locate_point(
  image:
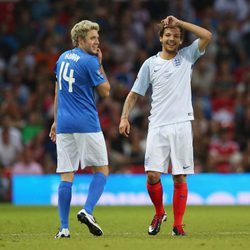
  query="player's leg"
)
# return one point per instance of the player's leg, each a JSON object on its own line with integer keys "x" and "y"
{"x": 64, "y": 199}
{"x": 156, "y": 162}
{"x": 67, "y": 164}
{"x": 181, "y": 143}
{"x": 96, "y": 187}
{"x": 95, "y": 191}
{"x": 155, "y": 192}
{"x": 179, "y": 203}
{"x": 96, "y": 156}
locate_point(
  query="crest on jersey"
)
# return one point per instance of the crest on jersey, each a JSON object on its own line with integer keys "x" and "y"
{"x": 177, "y": 61}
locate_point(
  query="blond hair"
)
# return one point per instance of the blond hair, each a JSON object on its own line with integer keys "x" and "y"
{"x": 81, "y": 29}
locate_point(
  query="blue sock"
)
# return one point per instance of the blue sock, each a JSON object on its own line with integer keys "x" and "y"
{"x": 64, "y": 199}
{"x": 96, "y": 188}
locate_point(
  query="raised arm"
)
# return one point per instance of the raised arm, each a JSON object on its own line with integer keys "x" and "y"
{"x": 104, "y": 88}
{"x": 124, "y": 127}
{"x": 204, "y": 35}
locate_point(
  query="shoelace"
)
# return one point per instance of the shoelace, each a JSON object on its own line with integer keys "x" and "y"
{"x": 180, "y": 228}
{"x": 156, "y": 220}
{"x": 92, "y": 217}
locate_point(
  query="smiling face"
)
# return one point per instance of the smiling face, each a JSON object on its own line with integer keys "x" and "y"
{"x": 171, "y": 40}
{"x": 90, "y": 43}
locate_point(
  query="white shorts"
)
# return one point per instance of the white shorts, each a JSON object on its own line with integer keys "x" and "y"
{"x": 175, "y": 142}
{"x": 88, "y": 149}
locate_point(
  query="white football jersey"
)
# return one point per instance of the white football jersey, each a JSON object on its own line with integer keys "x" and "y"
{"x": 171, "y": 86}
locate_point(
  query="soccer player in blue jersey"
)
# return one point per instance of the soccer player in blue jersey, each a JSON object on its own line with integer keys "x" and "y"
{"x": 170, "y": 131}
{"x": 76, "y": 128}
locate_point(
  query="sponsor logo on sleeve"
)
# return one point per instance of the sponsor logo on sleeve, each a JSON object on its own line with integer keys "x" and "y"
{"x": 99, "y": 73}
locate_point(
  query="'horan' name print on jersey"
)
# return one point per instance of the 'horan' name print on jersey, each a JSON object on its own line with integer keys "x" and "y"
{"x": 72, "y": 56}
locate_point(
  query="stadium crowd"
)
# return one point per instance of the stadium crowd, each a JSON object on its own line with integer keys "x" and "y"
{"x": 34, "y": 33}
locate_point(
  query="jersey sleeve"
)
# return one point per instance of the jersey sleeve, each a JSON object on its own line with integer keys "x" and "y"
{"x": 95, "y": 74}
{"x": 142, "y": 81}
{"x": 192, "y": 52}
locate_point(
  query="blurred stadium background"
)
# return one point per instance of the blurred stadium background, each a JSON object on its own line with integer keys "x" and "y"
{"x": 34, "y": 33}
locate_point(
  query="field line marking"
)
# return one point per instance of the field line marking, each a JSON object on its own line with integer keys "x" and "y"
{"x": 126, "y": 234}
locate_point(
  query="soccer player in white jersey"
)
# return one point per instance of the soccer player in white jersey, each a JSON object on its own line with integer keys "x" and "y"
{"x": 76, "y": 128}
{"x": 170, "y": 132}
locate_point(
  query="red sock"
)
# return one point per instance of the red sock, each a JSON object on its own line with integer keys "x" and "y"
{"x": 156, "y": 193}
{"x": 179, "y": 202}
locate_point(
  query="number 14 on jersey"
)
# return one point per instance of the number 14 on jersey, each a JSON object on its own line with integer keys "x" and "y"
{"x": 63, "y": 73}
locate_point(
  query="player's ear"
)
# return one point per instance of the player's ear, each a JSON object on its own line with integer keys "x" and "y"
{"x": 80, "y": 40}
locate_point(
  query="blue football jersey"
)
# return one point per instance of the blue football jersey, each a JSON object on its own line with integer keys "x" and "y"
{"x": 77, "y": 73}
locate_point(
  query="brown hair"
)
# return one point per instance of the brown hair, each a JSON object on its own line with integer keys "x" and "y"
{"x": 162, "y": 27}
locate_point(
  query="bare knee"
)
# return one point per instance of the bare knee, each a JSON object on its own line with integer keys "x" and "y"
{"x": 104, "y": 170}
{"x": 153, "y": 177}
{"x": 179, "y": 178}
{"x": 67, "y": 177}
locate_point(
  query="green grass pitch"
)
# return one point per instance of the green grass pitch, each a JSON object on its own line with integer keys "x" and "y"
{"x": 125, "y": 227}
